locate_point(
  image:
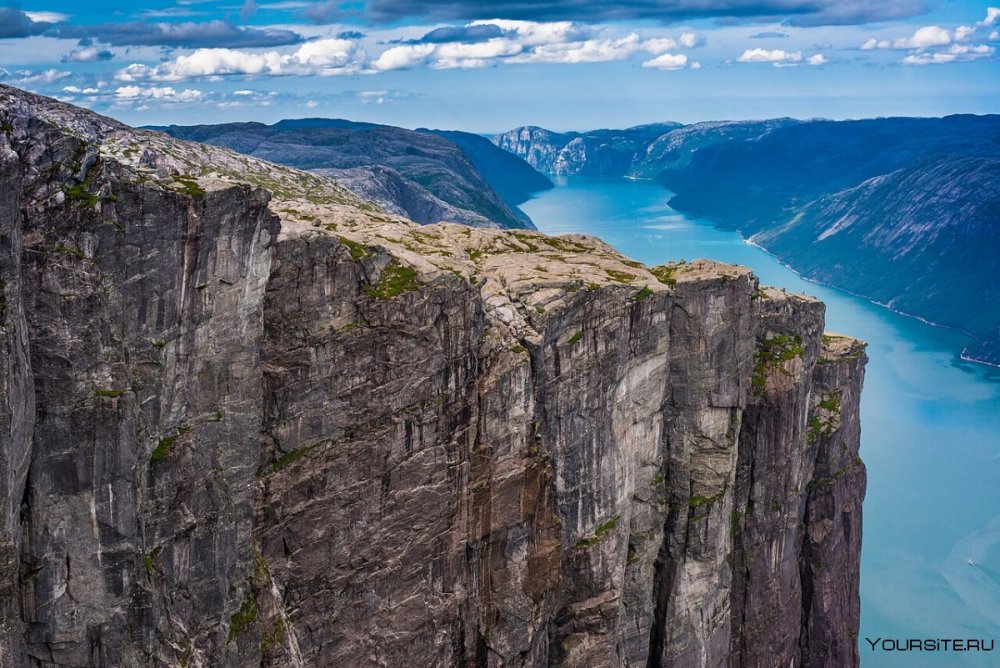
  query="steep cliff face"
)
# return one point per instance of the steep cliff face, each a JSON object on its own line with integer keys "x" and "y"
{"x": 300, "y": 431}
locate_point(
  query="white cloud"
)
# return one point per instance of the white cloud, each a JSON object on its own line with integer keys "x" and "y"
{"x": 587, "y": 51}
{"x": 48, "y": 76}
{"x": 660, "y": 45}
{"x": 776, "y": 56}
{"x": 668, "y": 61}
{"x": 963, "y": 33}
{"x": 403, "y": 57}
{"x": 321, "y": 57}
{"x": 47, "y": 17}
{"x": 992, "y": 16}
{"x": 690, "y": 40}
{"x": 923, "y": 38}
{"x": 818, "y": 59}
{"x": 312, "y": 104}
{"x": 995, "y": 35}
{"x": 164, "y": 94}
{"x": 928, "y": 58}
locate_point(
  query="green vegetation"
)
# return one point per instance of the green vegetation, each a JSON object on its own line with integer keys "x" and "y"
{"x": 286, "y": 460}
{"x": 575, "y": 338}
{"x": 358, "y": 251}
{"x": 831, "y": 402}
{"x": 735, "y": 523}
{"x": 273, "y": 638}
{"x": 79, "y": 193}
{"x": 163, "y": 447}
{"x": 771, "y": 354}
{"x": 620, "y": 276}
{"x": 113, "y": 394}
{"x": 243, "y": 618}
{"x": 697, "y": 501}
{"x": 66, "y": 250}
{"x": 599, "y": 533}
{"x": 217, "y": 417}
{"x": 396, "y": 279}
{"x": 519, "y": 349}
{"x": 665, "y": 274}
{"x": 829, "y": 480}
{"x": 149, "y": 560}
{"x": 642, "y": 294}
{"x": 189, "y": 185}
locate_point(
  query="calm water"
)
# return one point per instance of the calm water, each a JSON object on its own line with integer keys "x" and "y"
{"x": 930, "y": 429}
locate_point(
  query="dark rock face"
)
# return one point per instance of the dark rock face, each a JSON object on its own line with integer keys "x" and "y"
{"x": 229, "y": 444}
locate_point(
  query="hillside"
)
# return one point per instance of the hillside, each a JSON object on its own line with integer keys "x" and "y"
{"x": 419, "y": 175}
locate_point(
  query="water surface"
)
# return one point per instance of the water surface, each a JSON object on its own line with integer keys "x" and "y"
{"x": 930, "y": 422}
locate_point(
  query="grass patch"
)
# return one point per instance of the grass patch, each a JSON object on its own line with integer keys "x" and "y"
{"x": 243, "y": 619}
{"x": 599, "y": 533}
{"x": 771, "y": 354}
{"x": 189, "y": 185}
{"x": 112, "y": 394}
{"x": 642, "y": 294}
{"x": 575, "y": 338}
{"x": 395, "y": 280}
{"x": 162, "y": 448}
{"x": 665, "y": 274}
{"x": 358, "y": 251}
{"x": 79, "y": 193}
{"x": 285, "y": 460}
{"x": 620, "y": 276}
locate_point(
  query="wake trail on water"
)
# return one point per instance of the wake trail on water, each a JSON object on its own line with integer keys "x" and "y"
{"x": 977, "y": 585}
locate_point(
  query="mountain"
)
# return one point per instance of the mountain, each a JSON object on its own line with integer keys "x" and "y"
{"x": 248, "y": 419}
{"x": 419, "y": 175}
{"x": 899, "y": 210}
{"x": 597, "y": 153}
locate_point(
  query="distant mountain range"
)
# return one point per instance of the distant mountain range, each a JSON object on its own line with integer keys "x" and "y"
{"x": 905, "y": 211}
{"x": 425, "y": 175}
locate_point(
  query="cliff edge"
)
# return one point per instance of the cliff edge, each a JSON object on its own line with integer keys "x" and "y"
{"x": 249, "y": 419}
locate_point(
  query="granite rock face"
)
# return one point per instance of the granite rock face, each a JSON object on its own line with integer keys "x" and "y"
{"x": 293, "y": 430}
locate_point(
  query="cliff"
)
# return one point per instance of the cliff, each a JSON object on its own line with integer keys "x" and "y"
{"x": 423, "y": 176}
{"x": 247, "y": 426}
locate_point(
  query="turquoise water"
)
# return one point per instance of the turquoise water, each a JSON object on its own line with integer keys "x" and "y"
{"x": 930, "y": 429}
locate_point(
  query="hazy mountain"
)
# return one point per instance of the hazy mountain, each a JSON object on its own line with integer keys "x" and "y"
{"x": 420, "y": 175}
{"x": 901, "y": 210}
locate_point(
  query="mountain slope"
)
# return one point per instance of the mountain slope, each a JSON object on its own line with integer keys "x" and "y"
{"x": 247, "y": 419}
{"x": 596, "y": 153}
{"x": 441, "y": 182}
{"x": 921, "y": 195}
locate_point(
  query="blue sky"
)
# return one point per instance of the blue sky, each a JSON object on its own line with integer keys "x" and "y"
{"x": 489, "y": 66}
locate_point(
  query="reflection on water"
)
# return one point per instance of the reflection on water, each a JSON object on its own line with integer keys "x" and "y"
{"x": 930, "y": 428}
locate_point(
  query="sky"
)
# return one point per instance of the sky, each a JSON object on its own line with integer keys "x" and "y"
{"x": 491, "y": 66}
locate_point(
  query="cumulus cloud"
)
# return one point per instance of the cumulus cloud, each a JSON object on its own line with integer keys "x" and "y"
{"x": 799, "y": 12}
{"x": 934, "y": 45}
{"x": 403, "y": 57}
{"x": 776, "y": 56}
{"x": 817, "y": 59}
{"x": 322, "y": 57}
{"x": 489, "y": 42}
{"x": 667, "y": 61}
{"x": 130, "y": 94}
{"x": 87, "y": 54}
{"x": 923, "y": 38}
{"x": 189, "y": 35}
